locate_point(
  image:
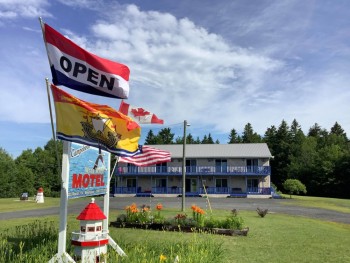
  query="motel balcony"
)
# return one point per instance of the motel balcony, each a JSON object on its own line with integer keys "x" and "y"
{"x": 234, "y": 192}
{"x": 194, "y": 171}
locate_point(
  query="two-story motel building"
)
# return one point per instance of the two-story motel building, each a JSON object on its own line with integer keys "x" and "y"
{"x": 218, "y": 170}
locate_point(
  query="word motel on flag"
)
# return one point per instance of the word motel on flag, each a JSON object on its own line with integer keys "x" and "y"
{"x": 138, "y": 114}
{"x": 78, "y": 69}
{"x": 95, "y": 125}
{"x": 148, "y": 156}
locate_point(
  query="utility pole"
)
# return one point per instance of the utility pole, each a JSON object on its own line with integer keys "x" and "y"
{"x": 184, "y": 168}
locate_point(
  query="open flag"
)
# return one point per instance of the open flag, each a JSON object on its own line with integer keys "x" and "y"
{"x": 139, "y": 115}
{"x": 96, "y": 125}
{"x": 81, "y": 70}
{"x": 148, "y": 156}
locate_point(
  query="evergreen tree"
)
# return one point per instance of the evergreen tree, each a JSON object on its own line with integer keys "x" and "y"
{"x": 249, "y": 136}
{"x": 282, "y": 153}
{"x": 338, "y": 130}
{"x": 270, "y": 138}
{"x": 234, "y": 137}
{"x": 151, "y": 138}
{"x": 189, "y": 139}
{"x": 315, "y": 130}
{"x": 197, "y": 141}
{"x": 165, "y": 136}
{"x": 210, "y": 139}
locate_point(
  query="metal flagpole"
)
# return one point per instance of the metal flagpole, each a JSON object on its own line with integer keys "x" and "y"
{"x": 62, "y": 255}
{"x": 184, "y": 168}
{"x": 52, "y": 127}
{"x": 49, "y": 100}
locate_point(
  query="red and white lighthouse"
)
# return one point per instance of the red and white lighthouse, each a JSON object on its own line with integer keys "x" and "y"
{"x": 91, "y": 242}
{"x": 40, "y": 196}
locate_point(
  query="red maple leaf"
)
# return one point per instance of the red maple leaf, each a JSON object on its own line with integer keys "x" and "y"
{"x": 139, "y": 112}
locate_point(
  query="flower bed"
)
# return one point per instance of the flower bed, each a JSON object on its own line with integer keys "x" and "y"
{"x": 144, "y": 218}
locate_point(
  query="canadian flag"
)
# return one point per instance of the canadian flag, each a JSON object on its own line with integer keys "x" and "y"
{"x": 139, "y": 115}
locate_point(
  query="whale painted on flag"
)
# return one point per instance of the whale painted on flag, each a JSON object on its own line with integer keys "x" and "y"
{"x": 78, "y": 69}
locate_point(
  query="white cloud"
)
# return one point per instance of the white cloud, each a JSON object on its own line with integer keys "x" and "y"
{"x": 180, "y": 69}
{"x": 10, "y": 9}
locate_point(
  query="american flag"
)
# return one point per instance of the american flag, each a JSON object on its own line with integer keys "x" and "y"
{"x": 148, "y": 156}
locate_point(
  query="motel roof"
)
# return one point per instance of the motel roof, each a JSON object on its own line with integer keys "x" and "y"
{"x": 237, "y": 150}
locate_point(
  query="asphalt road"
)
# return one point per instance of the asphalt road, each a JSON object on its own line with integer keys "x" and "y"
{"x": 282, "y": 206}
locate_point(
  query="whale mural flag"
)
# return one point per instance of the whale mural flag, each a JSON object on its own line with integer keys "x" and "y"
{"x": 78, "y": 69}
{"x": 138, "y": 114}
{"x": 96, "y": 125}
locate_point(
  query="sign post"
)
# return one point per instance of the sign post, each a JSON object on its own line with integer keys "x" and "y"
{"x": 62, "y": 255}
{"x": 85, "y": 172}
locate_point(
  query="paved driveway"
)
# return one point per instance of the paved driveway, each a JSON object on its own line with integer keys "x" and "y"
{"x": 283, "y": 206}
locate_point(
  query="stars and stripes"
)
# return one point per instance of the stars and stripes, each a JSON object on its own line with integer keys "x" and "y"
{"x": 148, "y": 156}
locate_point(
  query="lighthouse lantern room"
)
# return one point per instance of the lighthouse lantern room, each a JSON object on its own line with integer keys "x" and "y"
{"x": 91, "y": 241}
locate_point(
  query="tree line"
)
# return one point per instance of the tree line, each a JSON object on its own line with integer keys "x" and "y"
{"x": 320, "y": 159}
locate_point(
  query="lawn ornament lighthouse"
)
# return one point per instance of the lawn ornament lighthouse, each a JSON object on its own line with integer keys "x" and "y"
{"x": 91, "y": 242}
{"x": 40, "y": 196}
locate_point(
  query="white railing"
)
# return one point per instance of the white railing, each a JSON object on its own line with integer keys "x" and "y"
{"x": 90, "y": 236}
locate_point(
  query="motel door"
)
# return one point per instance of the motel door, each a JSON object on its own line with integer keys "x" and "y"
{"x": 221, "y": 166}
{"x": 191, "y": 185}
{"x": 252, "y": 165}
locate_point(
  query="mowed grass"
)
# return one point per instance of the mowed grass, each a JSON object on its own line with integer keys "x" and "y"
{"x": 274, "y": 238}
{"x": 14, "y": 204}
{"x": 334, "y": 204}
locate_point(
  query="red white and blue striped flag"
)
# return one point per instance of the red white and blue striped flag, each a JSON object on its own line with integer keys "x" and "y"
{"x": 148, "y": 156}
{"x": 81, "y": 70}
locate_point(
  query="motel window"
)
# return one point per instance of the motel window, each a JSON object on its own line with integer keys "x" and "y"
{"x": 221, "y": 165}
{"x": 83, "y": 229}
{"x": 191, "y": 165}
{"x": 131, "y": 182}
{"x": 98, "y": 228}
{"x": 221, "y": 182}
{"x": 160, "y": 182}
{"x": 91, "y": 229}
{"x": 161, "y": 167}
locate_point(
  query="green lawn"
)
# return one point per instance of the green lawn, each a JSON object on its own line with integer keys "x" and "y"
{"x": 14, "y": 204}
{"x": 274, "y": 238}
{"x": 335, "y": 204}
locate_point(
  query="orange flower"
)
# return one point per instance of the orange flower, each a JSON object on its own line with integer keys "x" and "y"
{"x": 159, "y": 207}
{"x": 201, "y": 211}
{"x": 194, "y": 207}
{"x": 134, "y": 210}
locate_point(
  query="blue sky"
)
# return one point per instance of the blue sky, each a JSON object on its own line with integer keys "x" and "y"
{"x": 217, "y": 64}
